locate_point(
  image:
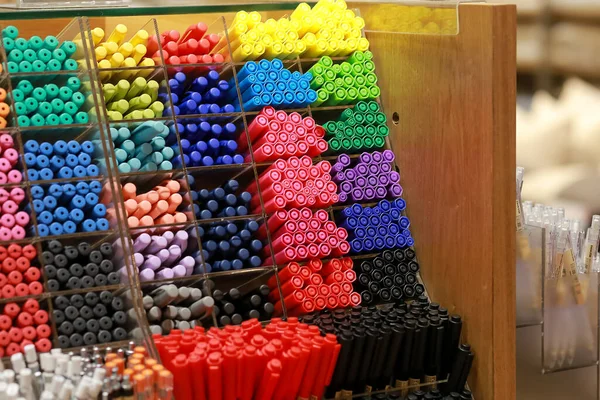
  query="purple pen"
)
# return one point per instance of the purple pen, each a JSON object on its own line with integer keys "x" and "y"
{"x": 374, "y": 169}
{"x": 180, "y": 239}
{"x": 138, "y": 258}
{"x": 365, "y": 157}
{"x": 343, "y": 197}
{"x": 164, "y": 274}
{"x": 175, "y": 254}
{"x": 385, "y": 167}
{"x": 158, "y": 243}
{"x": 179, "y": 271}
{"x": 344, "y": 159}
{"x": 394, "y": 177}
{"x": 346, "y": 187}
{"x": 337, "y": 167}
{"x": 370, "y": 193}
{"x": 350, "y": 175}
{"x": 152, "y": 262}
{"x": 169, "y": 236}
{"x": 383, "y": 180}
{"x": 395, "y": 190}
{"x": 141, "y": 242}
{"x": 339, "y": 177}
{"x": 357, "y": 194}
{"x": 361, "y": 169}
{"x": 360, "y": 182}
{"x": 147, "y": 275}
{"x": 388, "y": 156}
{"x": 372, "y": 180}
{"x": 377, "y": 157}
{"x": 163, "y": 255}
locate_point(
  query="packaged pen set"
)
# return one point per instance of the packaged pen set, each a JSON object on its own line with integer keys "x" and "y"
{"x": 558, "y": 254}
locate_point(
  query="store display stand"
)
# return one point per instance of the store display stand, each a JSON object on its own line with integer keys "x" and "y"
{"x": 449, "y": 101}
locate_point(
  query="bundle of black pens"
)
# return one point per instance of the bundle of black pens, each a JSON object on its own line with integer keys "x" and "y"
{"x": 401, "y": 349}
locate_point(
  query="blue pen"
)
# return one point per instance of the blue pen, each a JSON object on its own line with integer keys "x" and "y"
{"x": 79, "y": 171}
{"x": 102, "y": 224}
{"x": 65, "y": 172}
{"x": 95, "y": 187}
{"x": 76, "y": 215}
{"x": 43, "y": 230}
{"x": 88, "y": 225}
{"x": 255, "y": 261}
{"x": 56, "y": 228}
{"x": 46, "y": 174}
{"x": 33, "y": 175}
{"x": 249, "y": 67}
{"x": 61, "y": 214}
{"x": 69, "y": 227}
{"x": 49, "y": 202}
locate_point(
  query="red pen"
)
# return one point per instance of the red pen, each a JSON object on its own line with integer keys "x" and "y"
{"x": 247, "y": 373}
{"x": 195, "y": 31}
{"x": 332, "y": 302}
{"x": 269, "y": 380}
{"x": 346, "y": 287}
{"x": 273, "y": 223}
{"x": 230, "y": 364}
{"x": 281, "y": 243}
{"x": 215, "y": 376}
{"x": 355, "y": 299}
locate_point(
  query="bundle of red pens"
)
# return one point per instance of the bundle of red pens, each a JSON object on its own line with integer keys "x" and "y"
{"x": 295, "y": 183}
{"x": 19, "y": 277}
{"x": 315, "y": 286}
{"x": 194, "y": 46}
{"x": 22, "y": 324}
{"x": 283, "y": 360}
{"x": 300, "y": 234}
{"x": 276, "y": 134}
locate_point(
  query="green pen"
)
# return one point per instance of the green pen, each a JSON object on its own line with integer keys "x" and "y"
{"x": 51, "y": 91}
{"x": 351, "y": 122}
{"x": 65, "y": 119}
{"x": 369, "y": 118}
{"x": 347, "y": 113}
{"x": 383, "y": 130}
{"x": 326, "y": 61}
{"x": 357, "y": 143}
{"x": 69, "y": 48}
{"x": 335, "y": 144}
{"x": 368, "y": 55}
{"x": 374, "y": 92}
{"x": 359, "y": 117}
{"x": 348, "y": 132}
{"x": 50, "y": 42}
{"x": 329, "y": 75}
{"x": 337, "y": 69}
{"x": 120, "y": 105}
{"x": 18, "y": 95}
{"x": 25, "y": 86}
{"x": 330, "y": 127}
{"x": 362, "y": 106}
{"x": 38, "y": 66}
{"x": 78, "y": 99}
{"x": 65, "y": 93}
{"x": 8, "y": 43}
{"x": 363, "y": 93}
{"x": 371, "y": 79}
{"x": 317, "y": 70}
{"x": 30, "y": 55}
{"x": 10, "y": 32}
{"x": 379, "y": 141}
{"x": 74, "y": 83}
{"x": 31, "y": 105}
{"x": 15, "y": 56}
{"x": 13, "y": 67}
{"x": 371, "y": 131}
{"x": 340, "y": 125}
{"x": 23, "y": 120}
{"x": 35, "y": 43}
{"x": 37, "y": 120}
{"x": 114, "y": 115}
{"x": 360, "y": 131}
{"x": 373, "y": 106}
{"x": 44, "y": 55}
{"x": 347, "y": 143}
{"x": 359, "y": 80}
{"x": 52, "y": 119}
{"x": 25, "y": 66}
{"x": 369, "y": 66}
{"x": 351, "y": 95}
{"x": 70, "y": 65}
{"x": 357, "y": 69}
{"x": 53, "y": 65}
{"x": 71, "y": 108}
{"x": 356, "y": 57}
{"x": 21, "y": 108}
{"x": 44, "y": 109}
{"x": 21, "y": 44}
{"x": 380, "y": 118}
{"x": 369, "y": 142}
{"x": 339, "y": 82}
{"x": 151, "y": 89}
{"x": 339, "y": 135}
{"x": 317, "y": 82}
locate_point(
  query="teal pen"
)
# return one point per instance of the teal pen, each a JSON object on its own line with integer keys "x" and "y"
{"x": 166, "y": 166}
{"x": 21, "y": 108}
{"x": 52, "y": 119}
{"x": 121, "y": 155}
{"x": 25, "y": 66}
{"x": 13, "y": 67}
{"x": 71, "y": 108}
{"x": 65, "y": 94}
{"x": 65, "y": 119}
{"x": 82, "y": 117}
{"x": 70, "y": 65}
{"x": 168, "y": 153}
{"x": 122, "y": 135}
{"x": 30, "y": 55}
{"x": 69, "y": 48}
{"x": 114, "y": 134}
{"x": 21, "y": 44}
{"x": 15, "y": 56}
{"x": 73, "y": 83}
{"x": 23, "y": 120}
{"x": 53, "y": 65}
{"x": 149, "y": 167}
{"x": 51, "y": 91}
{"x": 39, "y": 94}
{"x": 156, "y": 157}
{"x": 18, "y": 95}
{"x": 158, "y": 143}
{"x": 31, "y": 105}
{"x": 45, "y": 108}
{"x": 38, "y": 66}
{"x": 124, "y": 168}
{"x": 59, "y": 55}
{"x": 135, "y": 164}
{"x": 25, "y": 86}
{"x": 44, "y": 55}
{"x": 37, "y": 120}
{"x": 35, "y": 43}
{"x": 50, "y": 43}
{"x": 8, "y": 43}
{"x": 143, "y": 151}
{"x": 78, "y": 99}
{"x": 10, "y": 32}
{"x": 129, "y": 147}
{"x": 58, "y": 106}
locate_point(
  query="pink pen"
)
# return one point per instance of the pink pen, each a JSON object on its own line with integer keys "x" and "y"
{"x": 295, "y": 118}
{"x": 5, "y": 165}
{"x": 6, "y": 141}
{"x": 5, "y": 233}
{"x": 10, "y": 207}
{"x": 281, "y": 116}
{"x": 18, "y": 232}
{"x": 7, "y": 220}
{"x": 3, "y": 178}
{"x": 4, "y": 195}
{"x": 15, "y": 176}
{"x": 11, "y": 155}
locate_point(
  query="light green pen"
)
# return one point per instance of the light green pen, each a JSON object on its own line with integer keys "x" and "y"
{"x": 136, "y": 87}
{"x": 326, "y": 61}
{"x": 108, "y": 89}
{"x": 114, "y": 115}
{"x": 339, "y": 82}
{"x": 140, "y": 102}
{"x": 356, "y": 57}
{"x": 369, "y": 66}
{"x": 35, "y": 43}
{"x": 317, "y": 70}
{"x": 363, "y": 93}
{"x": 329, "y": 86}
{"x": 329, "y": 75}
{"x": 136, "y": 114}
{"x": 121, "y": 89}
{"x": 151, "y": 89}
{"x": 359, "y": 80}
{"x": 371, "y": 79}
{"x": 374, "y": 92}
{"x": 368, "y": 55}
{"x": 120, "y": 105}
{"x": 52, "y": 119}
{"x": 157, "y": 108}
{"x": 337, "y": 69}
{"x": 351, "y": 95}
{"x": 322, "y": 97}
{"x": 339, "y": 97}
{"x": 317, "y": 82}
{"x": 349, "y": 81}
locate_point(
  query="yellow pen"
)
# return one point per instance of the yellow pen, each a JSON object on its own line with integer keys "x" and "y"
{"x": 332, "y": 47}
{"x": 351, "y": 46}
{"x": 324, "y": 34}
{"x": 300, "y": 11}
{"x": 358, "y": 23}
{"x": 270, "y": 25}
{"x": 114, "y": 115}
{"x": 253, "y": 19}
{"x": 100, "y": 53}
{"x": 126, "y": 49}
{"x": 291, "y": 36}
{"x": 288, "y": 50}
{"x": 242, "y": 52}
{"x": 267, "y": 40}
{"x": 279, "y": 36}
{"x": 79, "y": 53}
{"x": 252, "y": 36}
{"x": 260, "y": 29}
{"x": 337, "y": 35}
{"x": 139, "y": 51}
{"x": 353, "y": 34}
{"x": 283, "y": 24}
{"x": 236, "y": 30}
{"x": 274, "y": 51}
{"x": 305, "y": 25}
{"x": 240, "y": 17}
{"x": 363, "y": 44}
{"x": 295, "y": 26}
{"x": 341, "y": 49}
{"x": 116, "y": 60}
{"x": 146, "y": 62}
{"x": 300, "y": 48}
{"x": 97, "y": 35}
{"x": 257, "y": 50}
{"x": 104, "y": 64}
{"x": 309, "y": 39}
{"x": 118, "y": 34}
{"x": 111, "y": 48}
{"x": 140, "y": 37}
{"x": 128, "y": 62}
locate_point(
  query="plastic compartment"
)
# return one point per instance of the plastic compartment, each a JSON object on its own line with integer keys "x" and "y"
{"x": 530, "y": 261}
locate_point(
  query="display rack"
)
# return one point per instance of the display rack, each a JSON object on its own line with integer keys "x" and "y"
{"x": 449, "y": 105}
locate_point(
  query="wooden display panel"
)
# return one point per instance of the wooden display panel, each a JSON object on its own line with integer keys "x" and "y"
{"x": 453, "y": 99}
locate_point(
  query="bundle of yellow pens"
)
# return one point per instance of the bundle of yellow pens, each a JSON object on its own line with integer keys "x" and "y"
{"x": 115, "y": 52}
{"x": 327, "y": 29}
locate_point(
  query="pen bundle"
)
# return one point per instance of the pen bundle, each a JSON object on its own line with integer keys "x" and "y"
{"x": 78, "y": 267}
{"x": 371, "y": 177}
{"x": 223, "y": 201}
{"x": 392, "y": 276}
{"x": 301, "y": 234}
{"x": 158, "y": 206}
{"x": 165, "y": 255}
{"x": 570, "y": 284}
{"x": 145, "y": 147}
{"x": 328, "y": 28}
{"x": 14, "y": 214}
{"x": 376, "y": 228}
{"x": 295, "y": 183}
{"x": 132, "y": 100}
{"x": 22, "y": 324}
{"x": 62, "y": 101}
{"x": 9, "y": 160}
{"x": 345, "y": 83}
{"x": 66, "y": 208}
{"x": 398, "y": 346}
{"x": 283, "y": 360}
{"x": 88, "y": 374}
{"x": 314, "y": 286}
{"x": 232, "y": 307}
{"x": 59, "y": 160}
{"x": 358, "y": 128}
{"x": 268, "y": 83}
{"x": 194, "y": 46}
{"x": 116, "y": 52}
{"x": 4, "y": 108}
{"x": 88, "y": 319}
{"x": 20, "y": 276}
{"x": 276, "y": 134}
{"x": 36, "y": 54}
{"x": 170, "y": 307}
{"x": 207, "y": 142}
{"x": 232, "y": 246}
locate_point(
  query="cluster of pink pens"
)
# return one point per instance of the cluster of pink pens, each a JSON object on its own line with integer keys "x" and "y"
{"x": 12, "y": 221}
{"x": 192, "y": 47}
{"x": 8, "y": 160}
